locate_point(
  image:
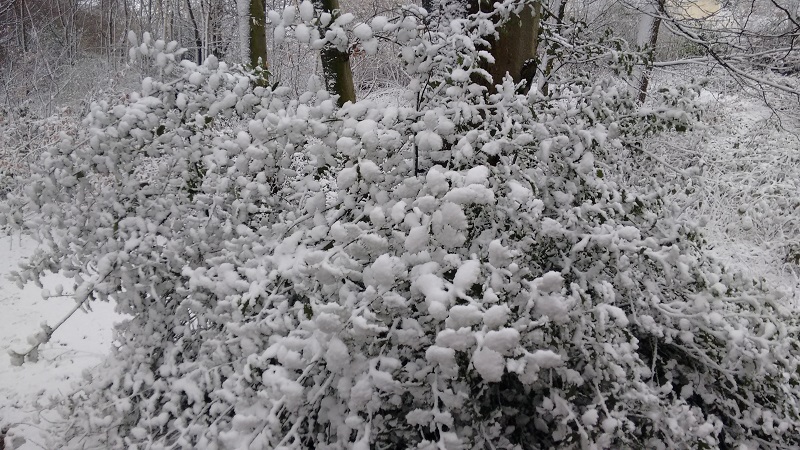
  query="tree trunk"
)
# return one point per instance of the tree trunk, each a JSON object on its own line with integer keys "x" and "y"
{"x": 514, "y": 49}
{"x": 22, "y": 36}
{"x": 111, "y": 33}
{"x": 336, "y": 63}
{"x": 206, "y": 15}
{"x": 216, "y": 11}
{"x": 648, "y": 35}
{"x": 550, "y": 56}
{"x": 257, "y": 44}
{"x": 198, "y": 40}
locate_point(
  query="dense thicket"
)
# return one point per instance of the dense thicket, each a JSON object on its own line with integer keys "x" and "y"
{"x": 464, "y": 268}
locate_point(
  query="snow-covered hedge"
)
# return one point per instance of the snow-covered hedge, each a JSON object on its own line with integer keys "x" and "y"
{"x": 480, "y": 276}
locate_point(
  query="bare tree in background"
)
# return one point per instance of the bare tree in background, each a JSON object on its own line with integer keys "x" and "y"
{"x": 748, "y": 40}
{"x": 556, "y": 13}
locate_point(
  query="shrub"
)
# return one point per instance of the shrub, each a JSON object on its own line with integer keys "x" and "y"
{"x": 480, "y": 273}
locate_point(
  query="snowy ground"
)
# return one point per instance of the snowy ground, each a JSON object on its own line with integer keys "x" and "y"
{"x": 80, "y": 344}
{"x": 748, "y": 193}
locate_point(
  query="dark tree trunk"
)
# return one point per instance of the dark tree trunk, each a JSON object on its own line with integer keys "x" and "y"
{"x": 198, "y": 40}
{"x": 515, "y": 48}
{"x": 258, "y": 34}
{"x": 336, "y": 63}
{"x": 644, "y": 82}
{"x": 551, "y": 52}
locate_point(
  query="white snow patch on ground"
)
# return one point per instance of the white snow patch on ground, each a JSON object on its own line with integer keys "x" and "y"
{"x": 80, "y": 344}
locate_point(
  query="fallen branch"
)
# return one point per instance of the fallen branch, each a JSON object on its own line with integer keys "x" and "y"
{"x": 41, "y": 337}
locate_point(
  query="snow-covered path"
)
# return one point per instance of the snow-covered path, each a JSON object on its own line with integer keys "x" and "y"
{"x": 749, "y": 191}
{"x": 757, "y": 217}
{"x": 80, "y": 344}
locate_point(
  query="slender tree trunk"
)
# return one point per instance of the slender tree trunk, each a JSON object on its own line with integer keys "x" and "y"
{"x": 64, "y": 12}
{"x": 648, "y": 35}
{"x": 257, "y": 45}
{"x": 170, "y": 26}
{"x": 128, "y": 23}
{"x": 150, "y": 15}
{"x": 162, "y": 12}
{"x": 198, "y": 40}
{"x": 206, "y": 10}
{"x": 336, "y": 63}
{"x": 111, "y": 32}
{"x": 550, "y": 56}
{"x": 22, "y": 36}
{"x": 215, "y": 29}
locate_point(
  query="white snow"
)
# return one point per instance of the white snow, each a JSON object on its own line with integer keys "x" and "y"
{"x": 463, "y": 316}
{"x": 383, "y": 270}
{"x": 429, "y": 141}
{"x": 496, "y": 316}
{"x": 519, "y": 192}
{"x": 502, "y": 341}
{"x": 363, "y": 31}
{"x": 489, "y": 364}
{"x": 441, "y": 355}
{"x": 459, "y": 340}
{"x": 437, "y": 299}
{"x": 545, "y": 359}
{"x": 466, "y": 276}
{"x": 306, "y": 9}
{"x": 549, "y": 282}
{"x": 477, "y": 175}
{"x": 589, "y": 418}
{"x": 417, "y": 239}
{"x": 302, "y": 33}
{"x": 551, "y": 306}
{"x": 474, "y": 193}
{"x": 615, "y": 313}
{"x": 378, "y": 23}
{"x": 337, "y": 357}
{"x": 288, "y": 14}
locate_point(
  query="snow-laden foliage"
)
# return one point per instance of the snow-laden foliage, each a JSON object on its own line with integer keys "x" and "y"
{"x": 480, "y": 275}
{"x": 22, "y": 138}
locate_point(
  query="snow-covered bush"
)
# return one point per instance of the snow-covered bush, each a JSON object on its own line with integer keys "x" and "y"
{"x": 23, "y": 136}
{"x": 482, "y": 275}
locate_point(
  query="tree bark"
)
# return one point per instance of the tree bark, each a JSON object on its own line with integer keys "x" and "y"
{"x": 22, "y": 36}
{"x": 652, "y": 40}
{"x": 217, "y": 46}
{"x": 336, "y": 63}
{"x": 257, "y": 42}
{"x": 515, "y": 48}
{"x": 111, "y": 33}
{"x": 550, "y": 56}
{"x": 198, "y": 40}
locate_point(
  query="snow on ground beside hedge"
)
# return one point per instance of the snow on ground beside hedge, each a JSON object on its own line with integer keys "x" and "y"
{"x": 748, "y": 190}
{"x": 80, "y": 344}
